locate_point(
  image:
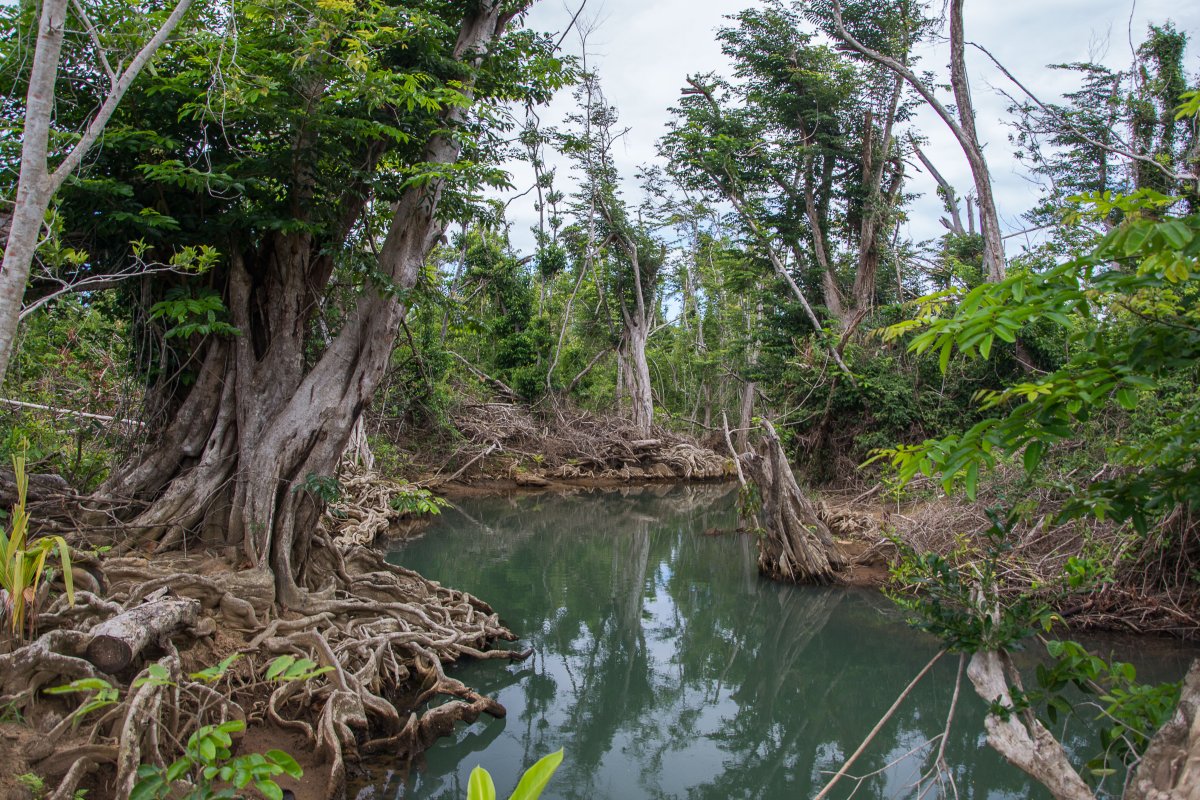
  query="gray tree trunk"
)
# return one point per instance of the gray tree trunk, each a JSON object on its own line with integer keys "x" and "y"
{"x": 258, "y": 420}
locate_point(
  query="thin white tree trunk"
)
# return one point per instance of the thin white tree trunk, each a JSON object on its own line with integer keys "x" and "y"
{"x": 968, "y": 140}
{"x": 36, "y": 185}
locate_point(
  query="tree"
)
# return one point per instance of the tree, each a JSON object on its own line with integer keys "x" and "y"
{"x": 843, "y": 21}
{"x": 617, "y": 251}
{"x": 37, "y": 182}
{"x": 327, "y": 150}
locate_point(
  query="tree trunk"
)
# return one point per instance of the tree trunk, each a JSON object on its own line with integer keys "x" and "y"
{"x": 36, "y": 184}
{"x": 1170, "y": 768}
{"x": 259, "y": 422}
{"x": 989, "y": 219}
{"x": 637, "y": 375}
{"x": 1019, "y": 737}
{"x": 963, "y": 128}
{"x": 117, "y": 642}
{"x": 796, "y": 545}
{"x": 746, "y": 415}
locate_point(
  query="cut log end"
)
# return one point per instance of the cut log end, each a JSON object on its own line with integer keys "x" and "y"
{"x": 117, "y": 642}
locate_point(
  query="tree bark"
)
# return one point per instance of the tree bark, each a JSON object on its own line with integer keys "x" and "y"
{"x": 633, "y": 342}
{"x": 796, "y": 545}
{"x": 36, "y": 184}
{"x": 968, "y": 140}
{"x": 1170, "y": 768}
{"x": 1019, "y": 737}
{"x": 259, "y": 420}
{"x": 118, "y": 641}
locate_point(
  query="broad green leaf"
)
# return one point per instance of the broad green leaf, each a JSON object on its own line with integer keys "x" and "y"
{"x": 534, "y": 781}
{"x": 480, "y": 786}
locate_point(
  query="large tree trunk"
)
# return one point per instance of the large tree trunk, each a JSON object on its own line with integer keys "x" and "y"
{"x": 259, "y": 420}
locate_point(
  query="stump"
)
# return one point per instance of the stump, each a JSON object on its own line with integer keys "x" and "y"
{"x": 796, "y": 545}
{"x": 1170, "y": 768}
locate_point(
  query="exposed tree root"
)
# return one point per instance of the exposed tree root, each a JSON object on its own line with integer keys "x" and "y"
{"x": 796, "y": 544}
{"x": 385, "y": 631}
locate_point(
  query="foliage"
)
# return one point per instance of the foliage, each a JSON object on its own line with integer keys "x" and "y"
{"x": 288, "y": 668}
{"x": 322, "y": 488}
{"x": 1130, "y": 712}
{"x": 414, "y": 500}
{"x": 23, "y": 563}
{"x": 1132, "y": 323}
{"x": 208, "y": 760}
{"x": 954, "y": 596}
{"x": 102, "y": 694}
{"x": 530, "y": 787}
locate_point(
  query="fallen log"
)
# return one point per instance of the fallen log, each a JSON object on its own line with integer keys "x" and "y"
{"x": 116, "y": 642}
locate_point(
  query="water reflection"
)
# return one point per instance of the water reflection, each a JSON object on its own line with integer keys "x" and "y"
{"x": 667, "y": 668}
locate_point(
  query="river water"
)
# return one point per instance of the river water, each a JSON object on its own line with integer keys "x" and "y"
{"x": 667, "y": 668}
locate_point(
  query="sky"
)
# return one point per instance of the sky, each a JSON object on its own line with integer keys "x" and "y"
{"x": 644, "y": 49}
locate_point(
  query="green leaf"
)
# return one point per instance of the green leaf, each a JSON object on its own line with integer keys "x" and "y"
{"x": 480, "y": 786}
{"x": 1127, "y": 398}
{"x": 285, "y": 761}
{"x": 279, "y": 666}
{"x": 1033, "y": 455}
{"x": 269, "y": 789}
{"x": 944, "y": 358}
{"x": 971, "y": 481}
{"x": 534, "y": 781}
{"x": 149, "y": 787}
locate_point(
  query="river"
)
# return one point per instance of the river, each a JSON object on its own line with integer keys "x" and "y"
{"x": 667, "y": 668}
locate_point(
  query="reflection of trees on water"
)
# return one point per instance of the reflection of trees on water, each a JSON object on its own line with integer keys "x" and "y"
{"x": 667, "y": 668}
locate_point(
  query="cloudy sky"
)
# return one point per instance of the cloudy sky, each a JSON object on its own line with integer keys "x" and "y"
{"x": 643, "y": 49}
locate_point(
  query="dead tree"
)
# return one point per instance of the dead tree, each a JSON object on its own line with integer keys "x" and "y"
{"x": 795, "y": 544}
{"x": 963, "y": 128}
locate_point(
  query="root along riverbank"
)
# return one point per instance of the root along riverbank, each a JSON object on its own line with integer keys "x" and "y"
{"x": 382, "y": 633}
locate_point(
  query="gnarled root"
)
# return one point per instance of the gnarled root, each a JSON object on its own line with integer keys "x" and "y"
{"x": 797, "y": 546}
{"x": 385, "y": 633}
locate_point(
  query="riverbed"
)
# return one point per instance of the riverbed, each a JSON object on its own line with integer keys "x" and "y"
{"x": 667, "y": 668}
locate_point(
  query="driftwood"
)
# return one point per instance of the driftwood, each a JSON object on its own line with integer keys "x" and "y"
{"x": 1170, "y": 768}
{"x": 1020, "y": 737}
{"x": 117, "y": 642}
{"x": 797, "y": 545}
{"x": 41, "y": 487}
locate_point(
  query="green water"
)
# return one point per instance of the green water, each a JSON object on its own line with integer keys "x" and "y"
{"x": 668, "y": 669}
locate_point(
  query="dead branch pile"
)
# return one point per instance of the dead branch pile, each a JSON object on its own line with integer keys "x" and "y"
{"x": 564, "y": 444}
{"x": 796, "y": 545}
{"x": 1144, "y": 591}
{"x": 384, "y": 631}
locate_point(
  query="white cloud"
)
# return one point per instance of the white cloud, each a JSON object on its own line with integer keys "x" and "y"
{"x": 644, "y": 49}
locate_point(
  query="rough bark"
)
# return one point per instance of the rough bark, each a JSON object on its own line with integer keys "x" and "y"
{"x": 118, "y": 641}
{"x": 259, "y": 419}
{"x": 1020, "y": 738}
{"x": 796, "y": 545}
{"x": 633, "y": 343}
{"x": 1170, "y": 768}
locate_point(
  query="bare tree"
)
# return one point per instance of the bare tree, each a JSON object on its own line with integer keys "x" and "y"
{"x": 37, "y": 184}
{"x": 963, "y": 128}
